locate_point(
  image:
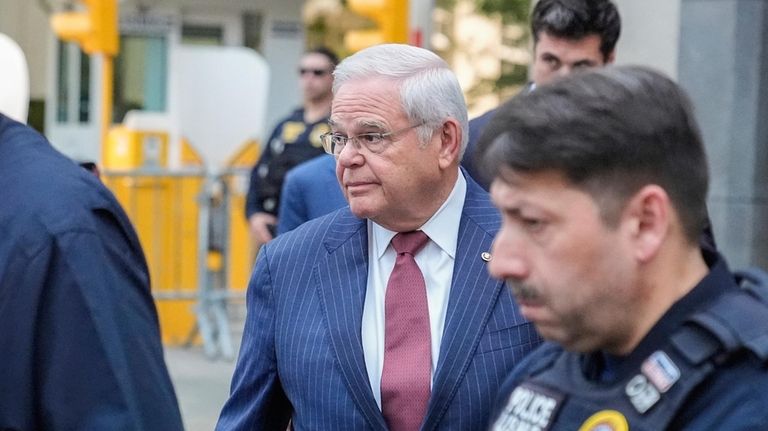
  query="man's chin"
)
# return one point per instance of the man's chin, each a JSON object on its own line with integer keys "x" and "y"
{"x": 567, "y": 341}
{"x": 361, "y": 208}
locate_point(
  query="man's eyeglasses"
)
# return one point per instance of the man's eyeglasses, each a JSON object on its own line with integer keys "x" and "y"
{"x": 315, "y": 72}
{"x": 334, "y": 143}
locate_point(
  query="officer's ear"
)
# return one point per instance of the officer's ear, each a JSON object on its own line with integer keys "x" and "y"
{"x": 647, "y": 219}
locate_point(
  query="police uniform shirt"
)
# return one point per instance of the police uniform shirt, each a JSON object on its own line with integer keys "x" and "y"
{"x": 734, "y": 397}
{"x": 292, "y": 142}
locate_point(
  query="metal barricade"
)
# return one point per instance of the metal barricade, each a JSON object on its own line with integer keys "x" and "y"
{"x": 197, "y": 249}
{"x": 191, "y": 227}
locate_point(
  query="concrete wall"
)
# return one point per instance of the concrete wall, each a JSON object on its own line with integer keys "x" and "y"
{"x": 718, "y": 51}
{"x": 649, "y": 34}
{"x": 22, "y": 21}
{"x": 723, "y": 64}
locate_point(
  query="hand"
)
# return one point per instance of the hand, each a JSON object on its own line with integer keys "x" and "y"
{"x": 258, "y": 223}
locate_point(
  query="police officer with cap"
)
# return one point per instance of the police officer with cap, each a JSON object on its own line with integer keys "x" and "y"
{"x": 601, "y": 179}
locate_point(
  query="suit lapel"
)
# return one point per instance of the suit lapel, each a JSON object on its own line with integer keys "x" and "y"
{"x": 342, "y": 280}
{"x": 473, "y": 296}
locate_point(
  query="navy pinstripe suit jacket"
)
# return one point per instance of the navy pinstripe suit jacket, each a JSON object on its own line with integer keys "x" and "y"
{"x": 302, "y": 356}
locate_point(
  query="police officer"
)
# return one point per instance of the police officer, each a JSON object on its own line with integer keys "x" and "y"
{"x": 601, "y": 179}
{"x": 295, "y": 139}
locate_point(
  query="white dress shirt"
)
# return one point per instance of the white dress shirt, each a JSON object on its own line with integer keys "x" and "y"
{"x": 435, "y": 260}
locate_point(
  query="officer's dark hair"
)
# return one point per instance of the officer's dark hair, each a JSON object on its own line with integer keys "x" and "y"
{"x": 609, "y": 132}
{"x": 324, "y": 50}
{"x": 575, "y": 19}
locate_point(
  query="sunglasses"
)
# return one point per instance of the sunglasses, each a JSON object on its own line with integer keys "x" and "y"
{"x": 316, "y": 72}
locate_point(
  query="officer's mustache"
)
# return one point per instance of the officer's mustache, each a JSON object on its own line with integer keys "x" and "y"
{"x": 523, "y": 291}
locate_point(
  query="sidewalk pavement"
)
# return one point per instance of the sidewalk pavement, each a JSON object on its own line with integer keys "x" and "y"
{"x": 202, "y": 384}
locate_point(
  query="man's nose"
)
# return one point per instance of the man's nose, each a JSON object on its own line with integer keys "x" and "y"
{"x": 564, "y": 71}
{"x": 350, "y": 155}
{"x": 508, "y": 259}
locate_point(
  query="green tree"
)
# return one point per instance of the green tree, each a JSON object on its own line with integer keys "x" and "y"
{"x": 511, "y": 11}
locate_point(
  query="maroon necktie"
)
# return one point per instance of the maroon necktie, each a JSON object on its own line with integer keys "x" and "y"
{"x": 405, "y": 379}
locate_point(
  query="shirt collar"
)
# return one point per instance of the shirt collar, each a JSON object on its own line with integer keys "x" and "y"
{"x": 441, "y": 228}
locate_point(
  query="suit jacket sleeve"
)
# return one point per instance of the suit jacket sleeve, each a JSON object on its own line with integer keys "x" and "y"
{"x": 93, "y": 339}
{"x": 257, "y": 400}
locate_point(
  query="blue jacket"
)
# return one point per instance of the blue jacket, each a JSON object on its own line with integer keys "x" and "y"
{"x": 78, "y": 326}
{"x": 310, "y": 190}
{"x": 468, "y": 162}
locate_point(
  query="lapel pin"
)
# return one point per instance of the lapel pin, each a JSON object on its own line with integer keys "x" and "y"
{"x": 485, "y": 256}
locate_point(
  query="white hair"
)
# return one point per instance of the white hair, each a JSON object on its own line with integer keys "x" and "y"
{"x": 429, "y": 90}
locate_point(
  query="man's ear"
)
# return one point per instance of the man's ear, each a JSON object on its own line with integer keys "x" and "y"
{"x": 450, "y": 143}
{"x": 611, "y": 57}
{"x": 648, "y": 215}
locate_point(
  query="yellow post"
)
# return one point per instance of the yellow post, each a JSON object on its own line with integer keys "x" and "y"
{"x": 107, "y": 84}
{"x": 94, "y": 27}
{"x": 390, "y": 17}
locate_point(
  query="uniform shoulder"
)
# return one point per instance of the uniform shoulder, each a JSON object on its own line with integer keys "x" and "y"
{"x": 295, "y": 115}
{"x": 43, "y": 186}
{"x": 734, "y": 397}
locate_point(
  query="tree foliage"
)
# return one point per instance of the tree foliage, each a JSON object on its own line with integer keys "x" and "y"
{"x": 509, "y": 10}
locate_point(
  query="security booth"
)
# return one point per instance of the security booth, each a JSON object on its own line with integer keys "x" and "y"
{"x": 182, "y": 177}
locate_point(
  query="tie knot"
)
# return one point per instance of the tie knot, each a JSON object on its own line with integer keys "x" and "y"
{"x": 409, "y": 242}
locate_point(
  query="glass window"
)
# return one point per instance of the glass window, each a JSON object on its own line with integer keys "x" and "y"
{"x": 74, "y": 77}
{"x": 62, "y": 96}
{"x": 84, "y": 101}
{"x": 194, "y": 34}
{"x": 141, "y": 75}
{"x": 252, "y": 26}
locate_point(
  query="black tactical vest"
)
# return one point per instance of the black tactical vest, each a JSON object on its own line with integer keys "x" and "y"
{"x": 733, "y": 327}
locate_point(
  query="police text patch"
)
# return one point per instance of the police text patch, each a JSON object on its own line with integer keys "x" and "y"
{"x": 529, "y": 408}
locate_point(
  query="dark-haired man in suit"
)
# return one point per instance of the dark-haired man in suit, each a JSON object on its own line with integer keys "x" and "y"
{"x": 568, "y": 36}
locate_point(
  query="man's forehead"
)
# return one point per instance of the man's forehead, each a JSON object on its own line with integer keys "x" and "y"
{"x": 516, "y": 194}
{"x": 374, "y": 94}
{"x": 314, "y": 58}
{"x": 362, "y": 122}
{"x": 508, "y": 178}
{"x": 547, "y": 191}
{"x": 546, "y": 34}
{"x": 588, "y": 44}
